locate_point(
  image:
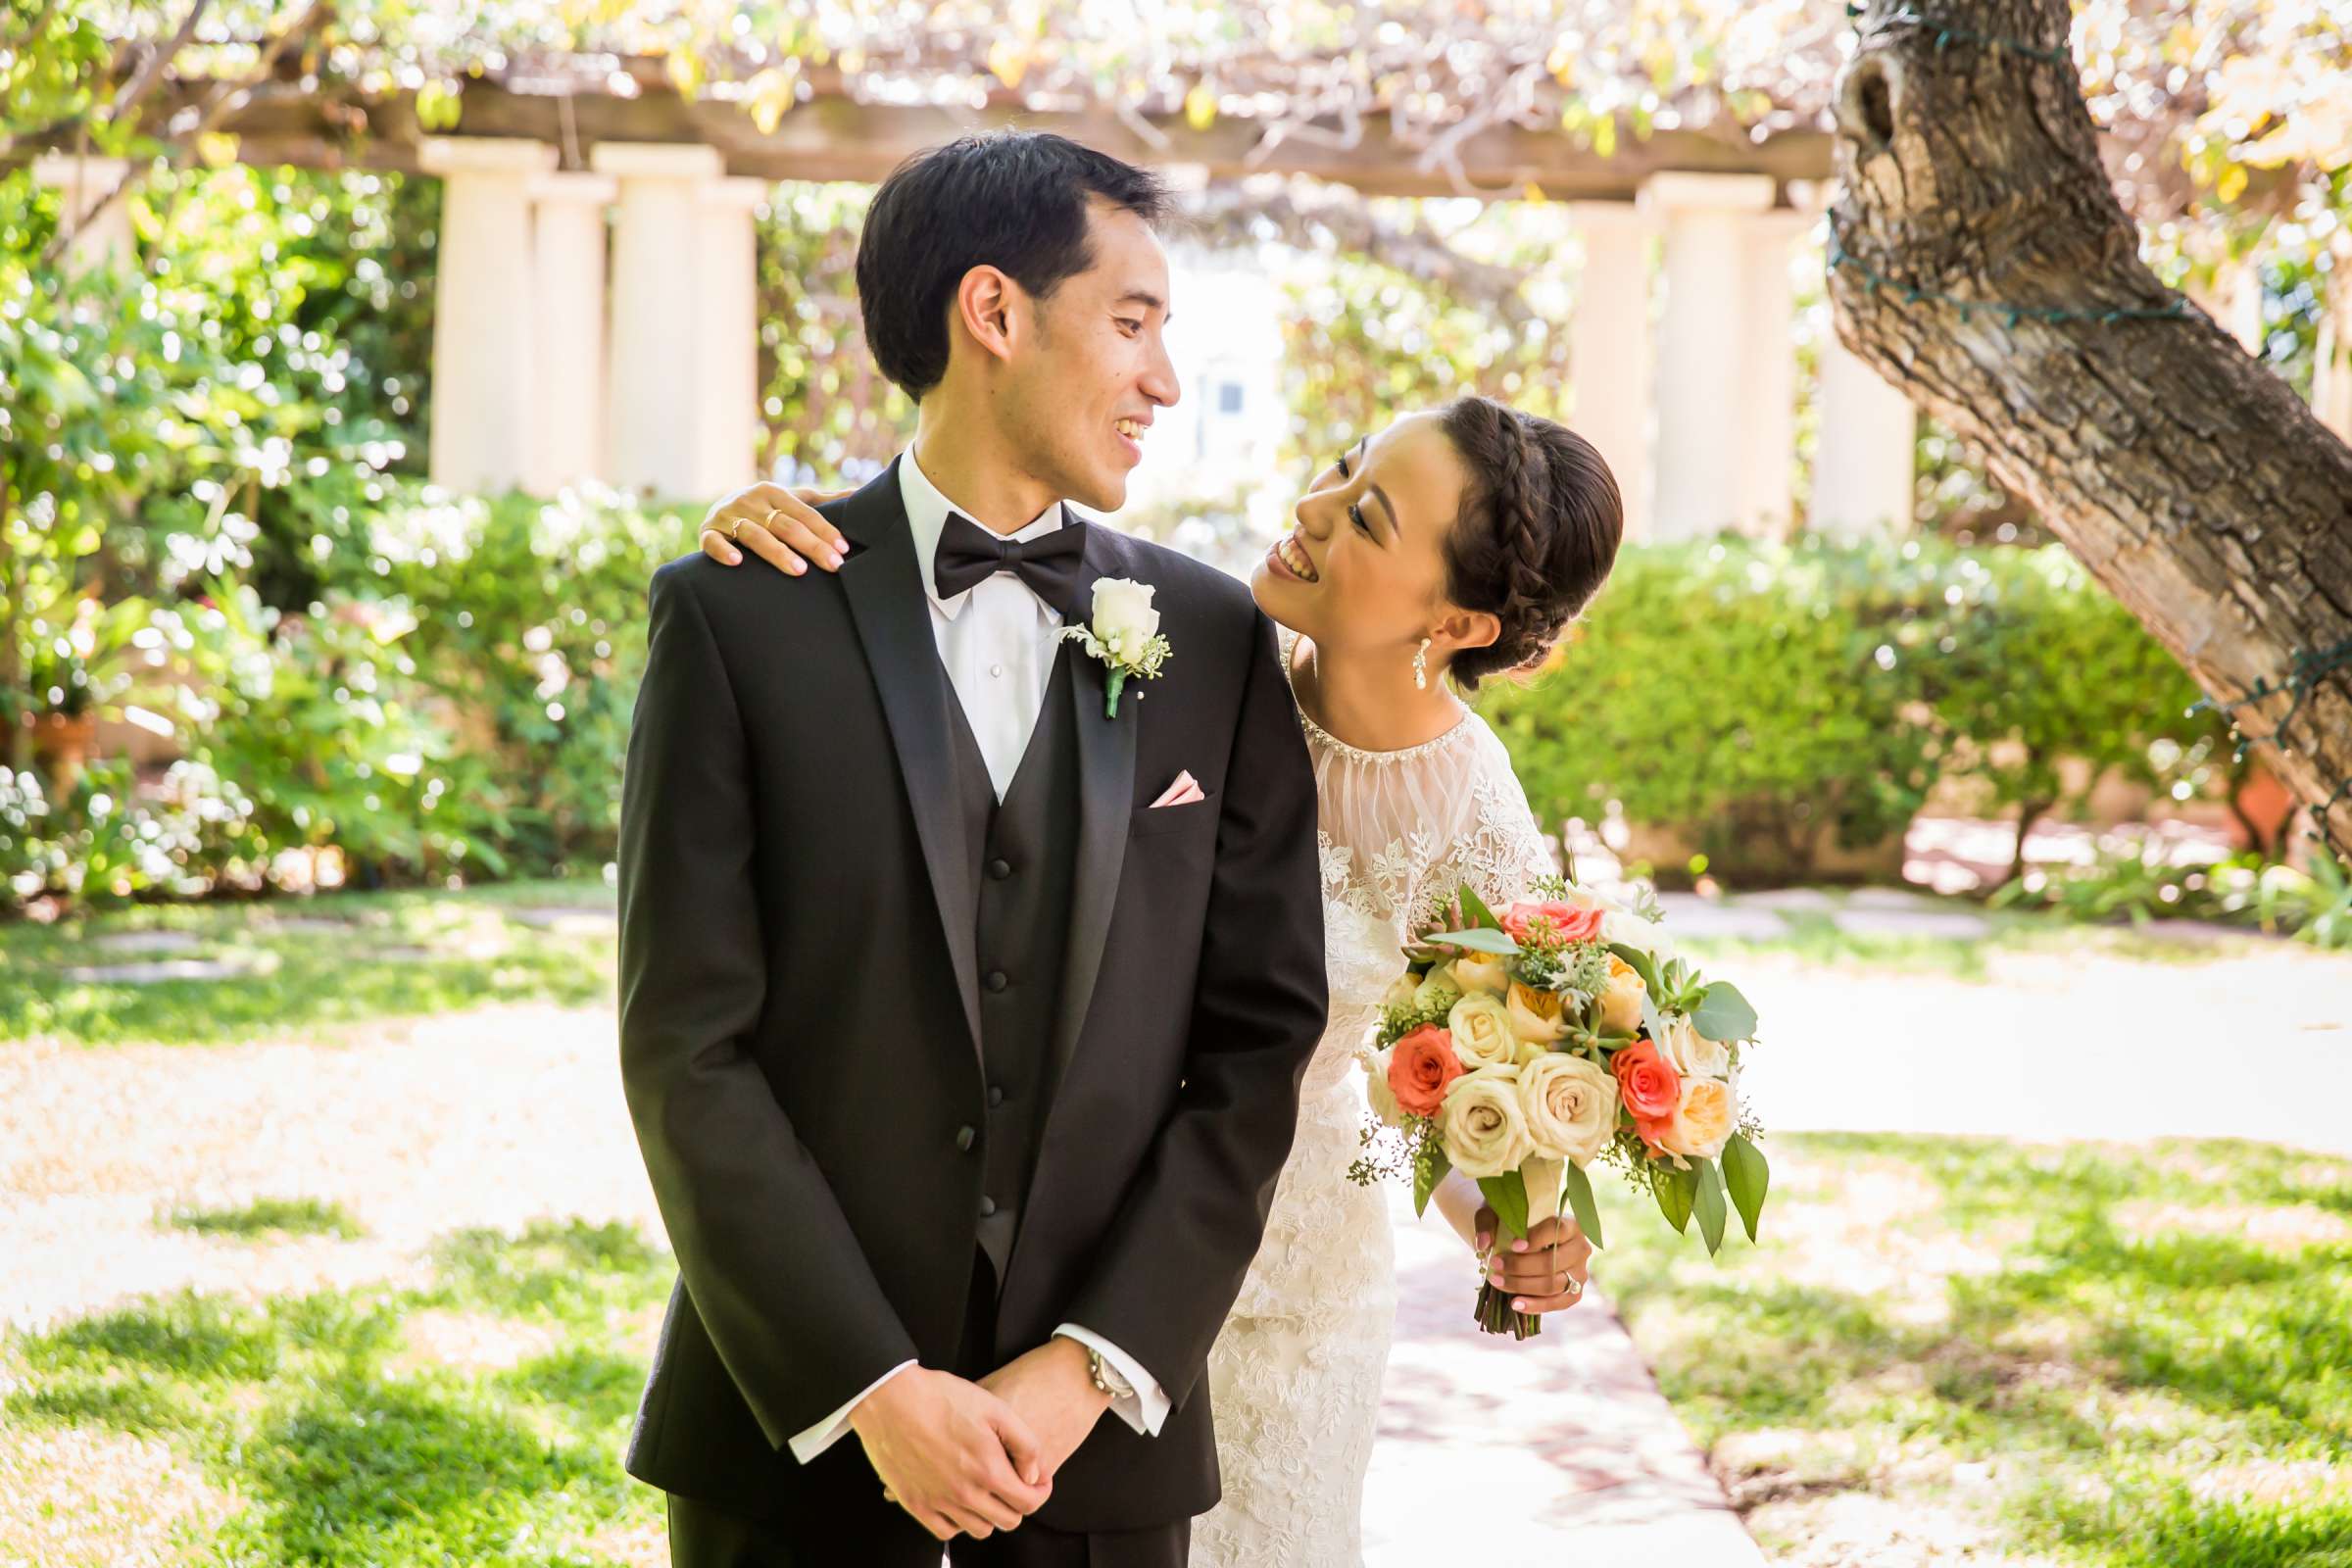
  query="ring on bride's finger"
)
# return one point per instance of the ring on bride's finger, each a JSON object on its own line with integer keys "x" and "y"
{"x": 735, "y": 530}
{"x": 1576, "y": 1287}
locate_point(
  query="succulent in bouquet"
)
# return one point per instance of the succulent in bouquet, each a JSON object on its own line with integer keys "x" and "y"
{"x": 1520, "y": 1048}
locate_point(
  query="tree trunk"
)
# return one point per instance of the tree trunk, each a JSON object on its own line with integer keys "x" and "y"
{"x": 1978, "y": 255}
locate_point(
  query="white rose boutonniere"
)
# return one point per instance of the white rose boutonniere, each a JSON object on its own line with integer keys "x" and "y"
{"x": 1124, "y": 633}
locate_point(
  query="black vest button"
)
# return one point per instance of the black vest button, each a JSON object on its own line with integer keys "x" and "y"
{"x": 996, "y": 1097}
{"x": 988, "y": 1207}
{"x": 997, "y": 980}
{"x": 963, "y": 1138}
{"x": 998, "y": 869}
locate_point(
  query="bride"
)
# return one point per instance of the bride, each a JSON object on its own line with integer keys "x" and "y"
{"x": 1452, "y": 546}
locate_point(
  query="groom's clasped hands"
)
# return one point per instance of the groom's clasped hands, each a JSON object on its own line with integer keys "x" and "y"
{"x": 973, "y": 1458}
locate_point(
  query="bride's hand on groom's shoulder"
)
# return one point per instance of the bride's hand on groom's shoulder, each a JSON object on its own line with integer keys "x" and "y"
{"x": 1545, "y": 1273}
{"x": 780, "y": 526}
{"x": 953, "y": 1454}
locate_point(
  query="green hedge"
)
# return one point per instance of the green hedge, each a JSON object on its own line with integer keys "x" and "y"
{"x": 1757, "y": 698}
{"x": 456, "y": 700}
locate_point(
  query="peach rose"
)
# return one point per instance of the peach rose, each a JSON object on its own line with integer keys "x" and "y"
{"x": 1702, "y": 1122}
{"x": 1651, "y": 1089}
{"x": 1539, "y": 1016}
{"x": 1569, "y": 922}
{"x": 1621, "y": 1002}
{"x": 1421, "y": 1066}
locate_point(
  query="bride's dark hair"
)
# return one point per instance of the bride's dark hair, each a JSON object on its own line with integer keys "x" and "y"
{"x": 1537, "y": 535}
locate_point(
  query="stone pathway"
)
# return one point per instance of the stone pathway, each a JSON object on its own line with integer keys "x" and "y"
{"x": 1577, "y": 1456}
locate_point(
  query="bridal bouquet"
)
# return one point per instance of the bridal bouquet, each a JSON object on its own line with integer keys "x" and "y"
{"x": 1521, "y": 1048}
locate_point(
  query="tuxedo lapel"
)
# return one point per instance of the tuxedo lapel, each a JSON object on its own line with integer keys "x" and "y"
{"x": 883, "y": 582}
{"x": 1106, "y": 807}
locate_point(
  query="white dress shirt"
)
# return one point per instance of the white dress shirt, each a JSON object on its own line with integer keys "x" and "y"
{"x": 997, "y": 640}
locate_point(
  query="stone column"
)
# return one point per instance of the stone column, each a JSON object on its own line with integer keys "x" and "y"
{"x": 1610, "y": 356}
{"x": 567, "y": 286}
{"x": 84, "y": 183}
{"x": 1767, "y": 479}
{"x": 1704, "y": 392}
{"x": 726, "y": 383}
{"x": 652, "y": 445}
{"x": 1865, "y": 456}
{"x": 484, "y": 418}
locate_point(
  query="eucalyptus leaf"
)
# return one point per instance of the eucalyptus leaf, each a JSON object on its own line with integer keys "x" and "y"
{"x": 1475, "y": 910}
{"x": 1654, "y": 1019}
{"x": 1676, "y": 1190}
{"x": 1506, "y": 1195}
{"x": 1749, "y": 1177}
{"x": 1579, "y": 1198}
{"x": 1428, "y": 1172}
{"x": 1481, "y": 940}
{"x": 1723, "y": 1015}
{"x": 1709, "y": 1204}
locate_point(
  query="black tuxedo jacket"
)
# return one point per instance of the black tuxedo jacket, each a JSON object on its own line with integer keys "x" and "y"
{"x": 799, "y": 1022}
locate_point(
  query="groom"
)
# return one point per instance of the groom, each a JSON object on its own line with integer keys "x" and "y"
{"x": 962, "y": 1066}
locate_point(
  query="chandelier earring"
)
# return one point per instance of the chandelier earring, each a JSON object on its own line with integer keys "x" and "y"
{"x": 1421, "y": 665}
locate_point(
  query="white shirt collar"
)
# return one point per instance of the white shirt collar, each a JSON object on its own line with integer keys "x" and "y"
{"x": 927, "y": 518}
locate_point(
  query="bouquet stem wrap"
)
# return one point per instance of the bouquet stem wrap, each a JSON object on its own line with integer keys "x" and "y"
{"x": 1547, "y": 1190}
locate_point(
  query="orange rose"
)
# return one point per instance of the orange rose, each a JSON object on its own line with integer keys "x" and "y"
{"x": 1649, "y": 1088}
{"x": 1568, "y": 923}
{"x": 1421, "y": 1066}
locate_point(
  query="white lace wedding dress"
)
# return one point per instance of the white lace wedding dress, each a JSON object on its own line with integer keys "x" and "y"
{"x": 1296, "y": 1373}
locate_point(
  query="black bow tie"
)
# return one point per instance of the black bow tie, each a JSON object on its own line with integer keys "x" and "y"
{"x": 969, "y": 555}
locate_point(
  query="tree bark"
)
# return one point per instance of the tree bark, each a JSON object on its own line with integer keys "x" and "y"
{"x": 2191, "y": 481}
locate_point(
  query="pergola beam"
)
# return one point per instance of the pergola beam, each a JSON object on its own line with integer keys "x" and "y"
{"x": 835, "y": 136}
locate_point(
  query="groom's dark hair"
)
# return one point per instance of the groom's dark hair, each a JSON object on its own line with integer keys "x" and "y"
{"x": 1015, "y": 200}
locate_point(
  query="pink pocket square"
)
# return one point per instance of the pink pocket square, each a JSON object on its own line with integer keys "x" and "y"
{"x": 1181, "y": 793}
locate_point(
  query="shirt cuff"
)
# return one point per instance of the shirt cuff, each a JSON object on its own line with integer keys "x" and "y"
{"x": 1146, "y": 1409}
{"x": 826, "y": 1433}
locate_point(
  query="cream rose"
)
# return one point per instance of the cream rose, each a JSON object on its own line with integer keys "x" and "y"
{"x": 1123, "y": 617}
{"x": 1476, "y": 972}
{"x": 1642, "y": 936}
{"x": 1621, "y": 1001}
{"x": 1694, "y": 1055}
{"x": 1481, "y": 1027}
{"x": 1701, "y": 1125}
{"x": 1383, "y": 1098}
{"x": 1539, "y": 1015}
{"x": 1570, "y": 1106}
{"x": 1486, "y": 1132}
{"x": 1437, "y": 991}
{"x": 1402, "y": 990}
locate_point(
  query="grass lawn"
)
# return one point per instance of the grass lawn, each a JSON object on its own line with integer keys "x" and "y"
{"x": 476, "y": 1420}
{"x": 2084, "y": 1353}
{"x": 338, "y": 959}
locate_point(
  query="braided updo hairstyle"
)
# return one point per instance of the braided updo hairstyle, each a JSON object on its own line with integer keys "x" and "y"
{"x": 1538, "y": 532}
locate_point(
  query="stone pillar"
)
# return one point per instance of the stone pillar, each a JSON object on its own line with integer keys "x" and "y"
{"x": 484, "y": 417}
{"x": 1863, "y": 458}
{"x": 655, "y": 318}
{"x": 1705, "y": 393}
{"x": 1610, "y": 356}
{"x": 1767, "y": 479}
{"x": 567, "y": 288}
{"x": 84, "y": 183}
{"x": 726, "y": 383}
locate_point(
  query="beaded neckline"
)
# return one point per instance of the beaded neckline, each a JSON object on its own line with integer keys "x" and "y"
{"x": 1331, "y": 743}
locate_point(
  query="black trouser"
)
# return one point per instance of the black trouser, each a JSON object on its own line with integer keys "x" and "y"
{"x": 702, "y": 1536}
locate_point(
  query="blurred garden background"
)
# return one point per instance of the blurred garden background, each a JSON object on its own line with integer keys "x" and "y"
{"x": 359, "y": 361}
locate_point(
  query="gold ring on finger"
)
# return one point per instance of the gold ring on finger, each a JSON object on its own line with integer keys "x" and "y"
{"x": 735, "y": 530}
